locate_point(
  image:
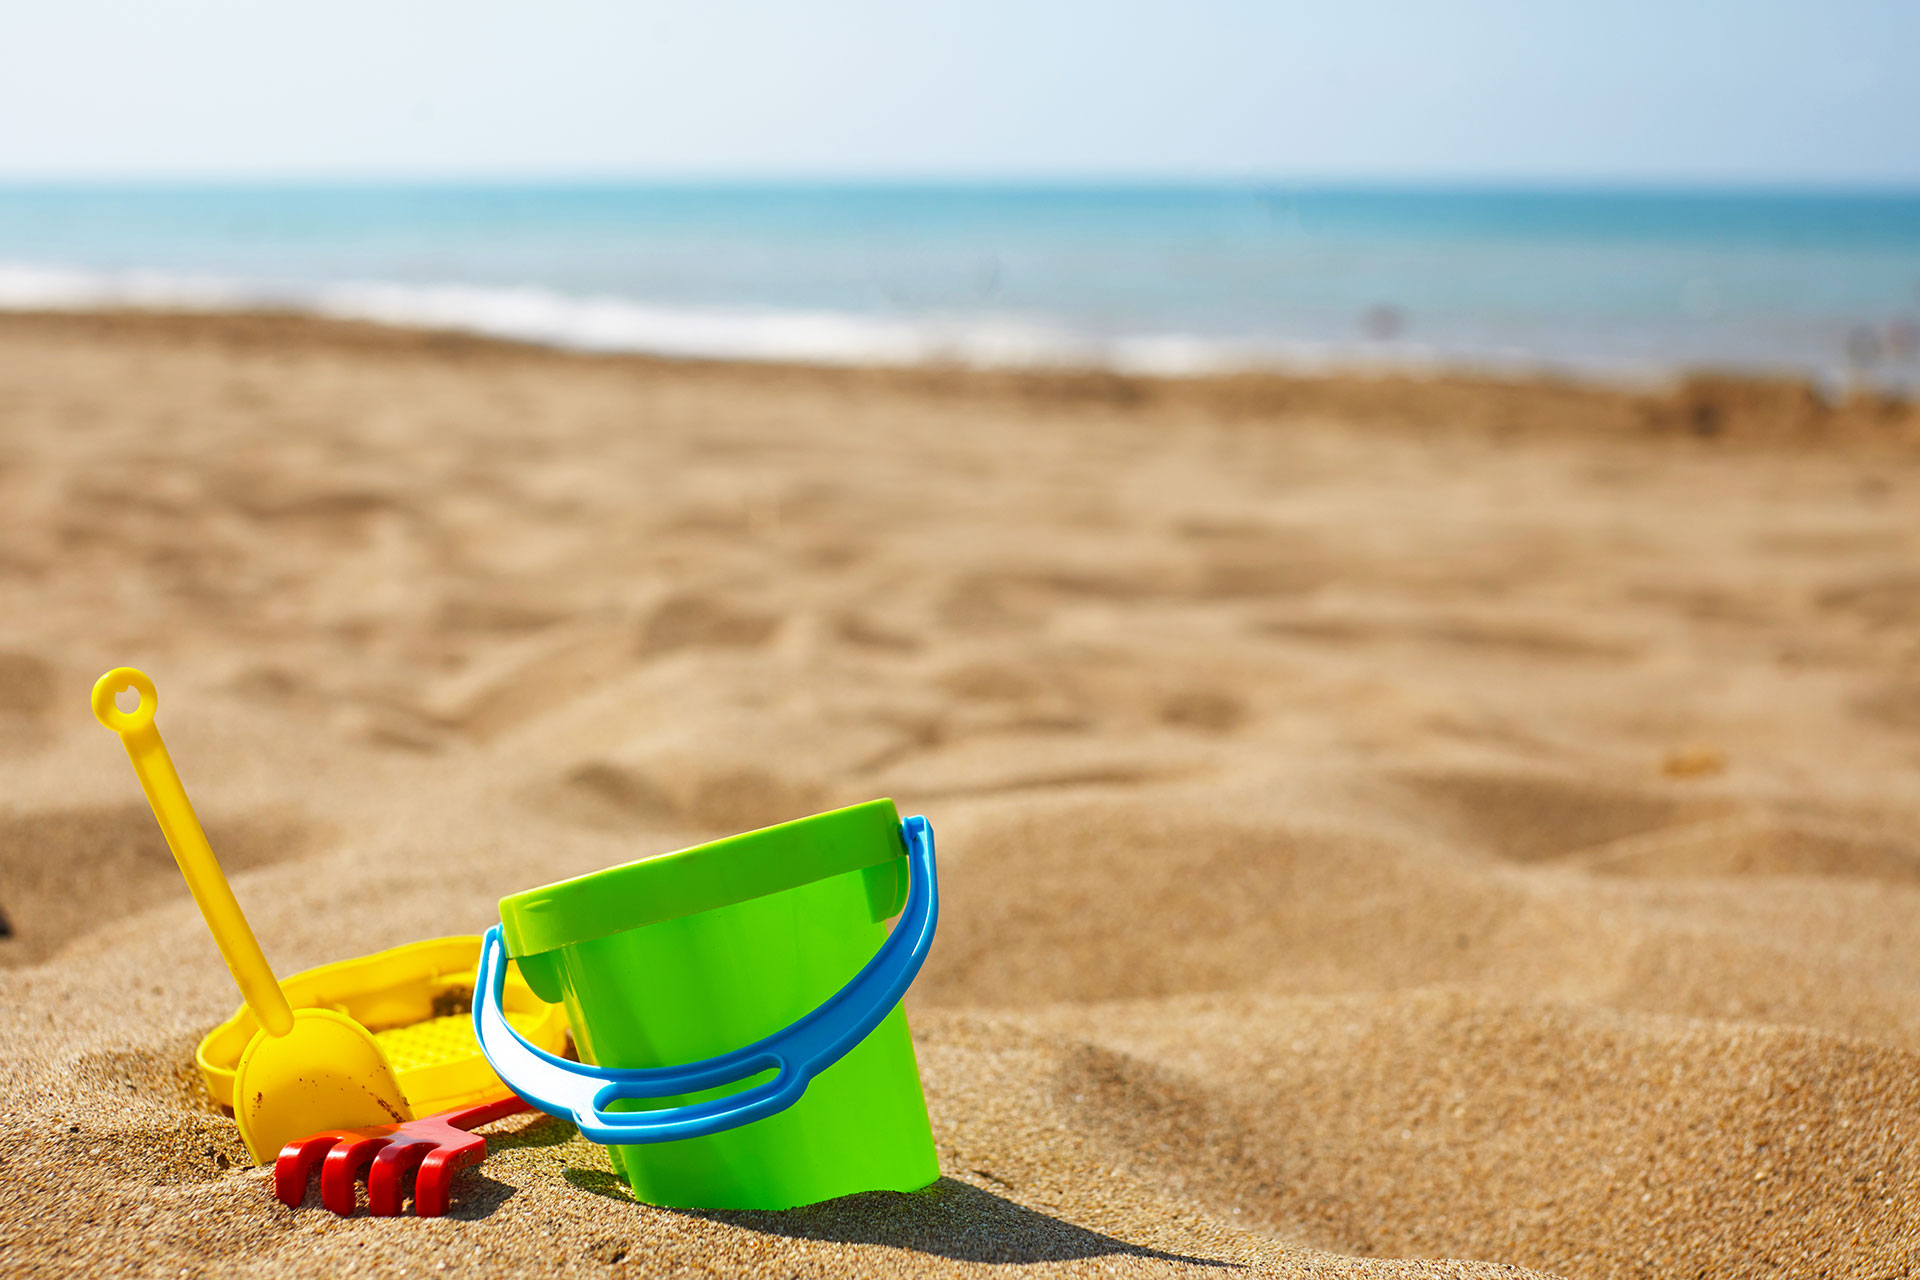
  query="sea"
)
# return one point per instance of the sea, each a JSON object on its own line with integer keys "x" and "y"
{"x": 1611, "y": 283}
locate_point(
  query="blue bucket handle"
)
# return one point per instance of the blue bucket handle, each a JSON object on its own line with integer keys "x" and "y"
{"x": 581, "y": 1092}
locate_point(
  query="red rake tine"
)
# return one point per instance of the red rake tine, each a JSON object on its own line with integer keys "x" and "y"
{"x": 440, "y": 1146}
{"x": 434, "y": 1148}
{"x": 342, "y": 1169}
{"x": 296, "y": 1162}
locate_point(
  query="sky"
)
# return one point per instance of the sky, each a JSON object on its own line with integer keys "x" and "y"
{"x": 1641, "y": 91}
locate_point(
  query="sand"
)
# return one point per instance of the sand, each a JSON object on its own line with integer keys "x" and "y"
{"x": 1387, "y": 827}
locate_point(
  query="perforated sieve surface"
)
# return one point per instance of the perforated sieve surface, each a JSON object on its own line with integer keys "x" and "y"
{"x": 429, "y": 1043}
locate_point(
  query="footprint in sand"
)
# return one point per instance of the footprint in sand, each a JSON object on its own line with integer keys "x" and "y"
{"x": 1250, "y": 561}
{"x": 1887, "y": 600}
{"x": 27, "y": 691}
{"x": 1614, "y": 832}
{"x": 1044, "y": 696}
{"x": 1893, "y": 706}
{"x": 1204, "y": 710}
{"x": 1536, "y": 817}
{"x": 613, "y": 797}
{"x": 701, "y": 622}
{"x": 1757, "y": 845}
{"x": 70, "y": 872}
{"x": 862, "y": 632}
{"x": 27, "y": 685}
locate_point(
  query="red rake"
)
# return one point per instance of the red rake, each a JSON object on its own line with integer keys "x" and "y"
{"x": 438, "y": 1146}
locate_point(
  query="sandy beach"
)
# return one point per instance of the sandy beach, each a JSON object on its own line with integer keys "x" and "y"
{"x": 1388, "y": 827}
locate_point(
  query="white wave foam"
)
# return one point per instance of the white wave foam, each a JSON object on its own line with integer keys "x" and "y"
{"x": 604, "y": 323}
{"x": 25, "y": 287}
{"x": 618, "y": 324}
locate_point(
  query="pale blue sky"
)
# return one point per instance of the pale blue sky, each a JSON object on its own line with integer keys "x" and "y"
{"x": 1711, "y": 91}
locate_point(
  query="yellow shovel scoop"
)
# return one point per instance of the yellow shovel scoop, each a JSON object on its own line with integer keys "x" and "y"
{"x": 305, "y": 1070}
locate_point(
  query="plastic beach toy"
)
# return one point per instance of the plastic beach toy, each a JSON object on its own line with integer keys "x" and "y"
{"x": 432, "y": 1148}
{"x": 362, "y": 1042}
{"x": 737, "y": 1009}
{"x": 305, "y": 1069}
{"x": 415, "y": 1000}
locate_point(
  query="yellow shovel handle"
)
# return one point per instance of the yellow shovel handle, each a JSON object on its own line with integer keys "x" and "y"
{"x": 158, "y": 779}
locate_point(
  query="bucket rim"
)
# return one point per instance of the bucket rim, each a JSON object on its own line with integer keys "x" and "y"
{"x": 703, "y": 877}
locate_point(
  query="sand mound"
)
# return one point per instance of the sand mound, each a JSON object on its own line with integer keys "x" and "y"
{"x": 1380, "y": 824}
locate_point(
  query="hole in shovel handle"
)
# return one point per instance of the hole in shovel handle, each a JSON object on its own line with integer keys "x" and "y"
{"x": 124, "y": 700}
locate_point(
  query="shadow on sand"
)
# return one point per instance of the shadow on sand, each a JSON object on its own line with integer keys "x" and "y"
{"x": 949, "y": 1219}
{"x": 475, "y": 1195}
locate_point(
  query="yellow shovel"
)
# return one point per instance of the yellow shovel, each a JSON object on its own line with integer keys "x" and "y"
{"x": 305, "y": 1070}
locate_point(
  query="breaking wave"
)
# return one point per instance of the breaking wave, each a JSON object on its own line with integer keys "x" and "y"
{"x": 615, "y": 324}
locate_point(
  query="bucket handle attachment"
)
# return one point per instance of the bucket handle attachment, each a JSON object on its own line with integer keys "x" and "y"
{"x": 581, "y": 1092}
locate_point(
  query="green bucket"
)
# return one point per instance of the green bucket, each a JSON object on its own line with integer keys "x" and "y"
{"x": 762, "y": 961}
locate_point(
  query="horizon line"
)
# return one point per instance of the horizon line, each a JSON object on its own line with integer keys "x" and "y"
{"x": 1262, "y": 182}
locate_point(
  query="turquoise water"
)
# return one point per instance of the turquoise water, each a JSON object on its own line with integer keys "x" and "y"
{"x": 1169, "y": 279}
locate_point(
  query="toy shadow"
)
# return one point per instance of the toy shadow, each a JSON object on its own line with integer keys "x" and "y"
{"x": 532, "y": 1129}
{"x": 476, "y": 1196}
{"x": 949, "y": 1219}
